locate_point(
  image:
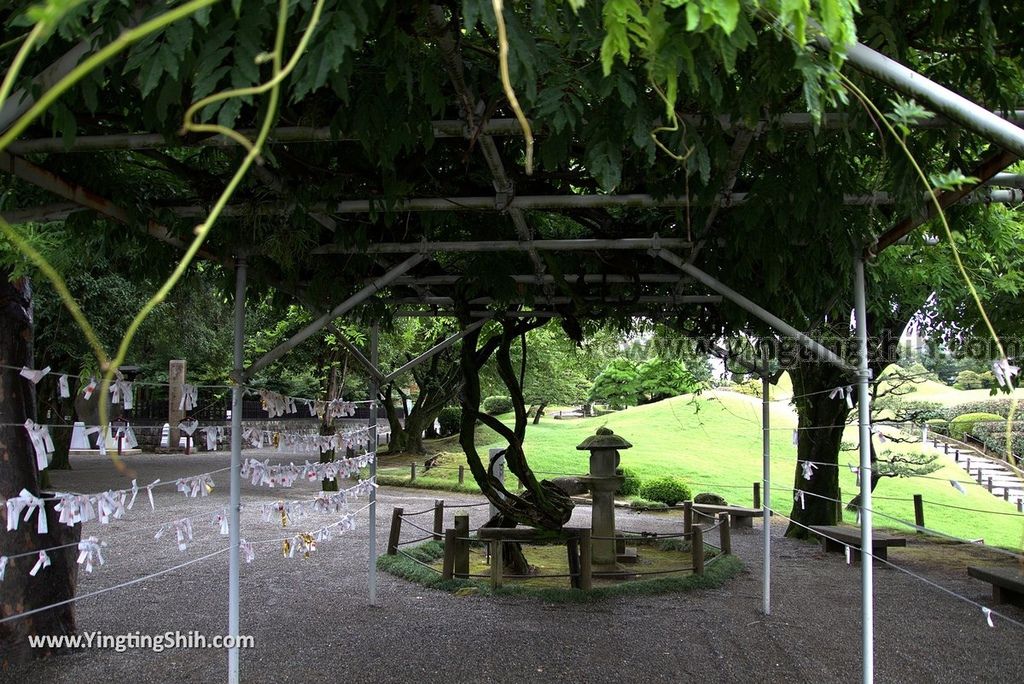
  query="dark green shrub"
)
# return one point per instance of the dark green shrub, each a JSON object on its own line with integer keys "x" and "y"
{"x": 642, "y": 504}
{"x": 450, "y": 419}
{"x": 630, "y": 483}
{"x": 710, "y": 499}
{"x": 1000, "y": 407}
{"x": 940, "y": 425}
{"x": 961, "y": 425}
{"x": 993, "y": 436}
{"x": 667, "y": 490}
{"x": 497, "y": 405}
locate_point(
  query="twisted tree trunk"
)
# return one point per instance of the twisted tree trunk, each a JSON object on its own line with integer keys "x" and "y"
{"x": 21, "y": 591}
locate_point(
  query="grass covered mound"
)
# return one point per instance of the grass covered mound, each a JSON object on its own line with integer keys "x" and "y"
{"x": 423, "y": 566}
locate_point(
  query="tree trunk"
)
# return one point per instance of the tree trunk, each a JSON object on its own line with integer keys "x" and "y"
{"x": 821, "y": 422}
{"x": 22, "y": 592}
{"x": 540, "y": 412}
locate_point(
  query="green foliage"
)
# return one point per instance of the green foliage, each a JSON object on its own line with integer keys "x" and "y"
{"x": 969, "y": 380}
{"x": 965, "y": 423}
{"x": 940, "y": 425}
{"x": 630, "y": 484}
{"x": 449, "y": 418}
{"x": 999, "y": 406}
{"x": 659, "y": 379}
{"x": 641, "y": 504}
{"x": 751, "y": 388}
{"x": 668, "y": 490}
{"x": 993, "y": 436}
{"x": 710, "y": 499}
{"x": 618, "y": 384}
{"x": 497, "y": 405}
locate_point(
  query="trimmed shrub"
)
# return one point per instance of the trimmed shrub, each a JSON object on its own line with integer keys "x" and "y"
{"x": 450, "y": 418}
{"x": 668, "y": 490}
{"x": 710, "y": 499}
{"x": 940, "y": 425}
{"x": 630, "y": 484}
{"x": 993, "y": 436}
{"x": 642, "y": 504}
{"x": 497, "y": 405}
{"x": 1000, "y": 407}
{"x": 961, "y": 425}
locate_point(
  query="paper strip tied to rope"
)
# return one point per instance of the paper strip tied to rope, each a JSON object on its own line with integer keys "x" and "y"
{"x": 189, "y": 398}
{"x": 197, "y": 485}
{"x": 1005, "y": 373}
{"x": 34, "y": 376}
{"x": 30, "y": 504}
{"x": 63, "y": 388}
{"x": 89, "y": 389}
{"x": 3, "y": 567}
{"x": 42, "y": 443}
{"x": 262, "y": 473}
{"x": 43, "y": 561}
{"x": 89, "y": 553}
{"x": 808, "y": 468}
{"x": 844, "y": 393}
{"x": 121, "y": 392}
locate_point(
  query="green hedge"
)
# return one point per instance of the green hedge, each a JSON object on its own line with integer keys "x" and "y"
{"x": 961, "y": 425}
{"x": 668, "y": 490}
{"x": 497, "y": 405}
{"x": 1000, "y": 407}
{"x": 450, "y": 418}
{"x": 940, "y": 425}
{"x": 993, "y": 436}
{"x": 630, "y": 484}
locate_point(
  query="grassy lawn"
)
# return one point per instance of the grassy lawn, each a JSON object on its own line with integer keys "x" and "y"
{"x": 714, "y": 443}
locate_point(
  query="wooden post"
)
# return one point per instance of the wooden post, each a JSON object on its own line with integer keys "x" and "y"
{"x": 724, "y": 536}
{"x": 572, "y": 551}
{"x": 396, "y": 530}
{"x": 839, "y": 506}
{"x": 497, "y": 563}
{"x": 757, "y": 495}
{"x": 412, "y": 472}
{"x": 989, "y": 484}
{"x": 1006, "y": 494}
{"x": 462, "y": 545}
{"x": 1020, "y": 505}
{"x": 697, "y": 547}
{"x": 918, "y": 511}
{"x": 979, "y": 476}
{"x": 438, "y": 518}
{"x": 956, "y": 455}
{"x": 967, "y": 465}
{"x": 448, "y": 566}
{"x": 175, "y": 391}
{"x": 586, "y": 567}
{"x": 462, "y": 474}
{"x": 945, "y": 448}
{"x": 687, "y": 516}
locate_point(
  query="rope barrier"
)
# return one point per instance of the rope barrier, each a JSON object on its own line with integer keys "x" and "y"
{"x": 421, "y": 529}
{"x": 868, "y": 554}
{"x": 973, "y": 510}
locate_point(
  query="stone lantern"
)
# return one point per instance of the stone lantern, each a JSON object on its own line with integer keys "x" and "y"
{"x": 603, "y": 482}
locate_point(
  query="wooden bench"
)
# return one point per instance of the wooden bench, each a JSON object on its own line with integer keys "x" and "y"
{"x": 1007, "y": 583}
{"x": 835, "y": 539}
{"x": 739, "y": 515}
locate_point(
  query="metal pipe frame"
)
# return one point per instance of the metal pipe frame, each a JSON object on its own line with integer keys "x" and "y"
{"x": 867, "y": 560}
{"x": 371, "y": 581}
{"x": 443, "y": 129}
{"x": 948, "y": 103}
{"x": 317, "y": 325}
{"x": 758, "y": 311}
{"x": 556, "y": 301}
{"x": 581, "y": 245}
{"x": 234, "y": 529}
{"x": 766, "y": 495}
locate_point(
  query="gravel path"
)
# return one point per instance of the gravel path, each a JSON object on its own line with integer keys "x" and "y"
{"x": 312, "y": 622}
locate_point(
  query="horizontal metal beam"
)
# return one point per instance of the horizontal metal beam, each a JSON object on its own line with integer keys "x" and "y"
{"x": 448, "y": 128}
{"x": 530, "y": 279}
{"x": 321, "y": 322}
{"x": 753, "y": 308}
{"x": 580, "y": 245}
{"x": 559, "y": 301}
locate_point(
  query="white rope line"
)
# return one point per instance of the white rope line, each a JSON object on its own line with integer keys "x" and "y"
{"x": 115, "y": 587}
{"x": 985, "y": 609}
